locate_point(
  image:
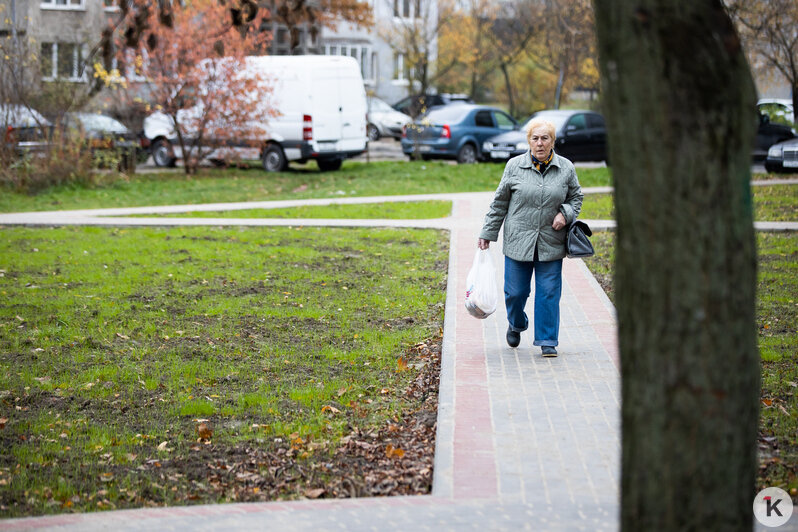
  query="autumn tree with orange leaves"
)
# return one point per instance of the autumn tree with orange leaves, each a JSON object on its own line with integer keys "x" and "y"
{"x": 188, "y": 63}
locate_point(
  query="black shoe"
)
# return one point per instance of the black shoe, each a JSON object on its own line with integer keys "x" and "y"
{"x": 513, "y": 338}
{"x": 548, "y": 351}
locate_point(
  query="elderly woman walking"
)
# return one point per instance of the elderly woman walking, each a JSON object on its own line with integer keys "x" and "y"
{"x": 538, "y": 196}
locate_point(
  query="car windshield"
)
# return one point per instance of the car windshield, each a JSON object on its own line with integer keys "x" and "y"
{"x": 95, "y": 122}
{"x": 375, "y": 104}
{"x": 451, "y": 114}
{"x": 558, "y": 118}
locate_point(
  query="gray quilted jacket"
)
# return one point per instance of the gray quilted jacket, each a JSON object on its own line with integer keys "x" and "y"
{"x": 527, "y": 202}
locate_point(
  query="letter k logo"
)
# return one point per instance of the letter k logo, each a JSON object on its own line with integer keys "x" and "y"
{"x": 773, "y": 506}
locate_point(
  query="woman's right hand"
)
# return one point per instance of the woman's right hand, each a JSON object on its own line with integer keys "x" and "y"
{"x": 483, "y": 244}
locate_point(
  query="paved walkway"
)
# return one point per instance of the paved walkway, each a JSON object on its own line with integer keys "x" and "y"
{"x": 523, "y": 442}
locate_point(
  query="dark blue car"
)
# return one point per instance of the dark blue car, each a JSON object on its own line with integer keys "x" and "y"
{"x": 455, "y": 132}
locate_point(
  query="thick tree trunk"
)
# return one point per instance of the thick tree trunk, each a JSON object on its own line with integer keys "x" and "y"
{"x": 679, "y": 101}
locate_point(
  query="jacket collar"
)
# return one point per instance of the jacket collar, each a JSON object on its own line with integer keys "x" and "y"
{"x": 526, "y": 160}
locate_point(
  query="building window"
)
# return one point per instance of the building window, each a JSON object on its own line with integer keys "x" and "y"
{"x": 399, "y": 66}
{"x": 407, "y": 8}
{"x": 62, "y": 4}
{"x": 111, "y": 5}
{"x": 282, "y": 37}
{"x": 62, "y": 61}
{"x": 364, "y": 63}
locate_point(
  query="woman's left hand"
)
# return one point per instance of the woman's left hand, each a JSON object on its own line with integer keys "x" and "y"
{"x": 559, "y": 222}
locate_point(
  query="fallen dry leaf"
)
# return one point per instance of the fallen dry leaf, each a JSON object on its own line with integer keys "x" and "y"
{"x": 204, "y": 431}
{"x": 401, "y": 364}
{"x": 393, "y": 452}
{"x": 331, "y": 409}
{"x": 314, "y": 493}
{"x": 162, "y": 446}
{"x": 3, "y": 421}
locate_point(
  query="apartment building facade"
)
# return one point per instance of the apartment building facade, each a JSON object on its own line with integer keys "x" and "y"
{"x": 386, "y": 72}
{"x": 60, "y": 32}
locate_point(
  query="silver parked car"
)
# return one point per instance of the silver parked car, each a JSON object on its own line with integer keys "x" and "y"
{"x": 783, "y": 157}
{"x": 25, "y": 129}
{"x": 384, "y": 120}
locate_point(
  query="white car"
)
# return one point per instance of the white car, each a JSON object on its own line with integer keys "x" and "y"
{"x": 384, "y": 120}
{"x": 777, "y": 108}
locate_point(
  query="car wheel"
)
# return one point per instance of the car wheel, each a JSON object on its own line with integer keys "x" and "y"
{"x": 163, "y": 154}
{"x": 328, "y": 165}
{"x": 373, "y": 132}
{"x": 467, "y": 154}
{"x": 273, "y": 158}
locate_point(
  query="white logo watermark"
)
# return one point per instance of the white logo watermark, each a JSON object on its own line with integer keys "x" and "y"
{"x": 772, "y": 507}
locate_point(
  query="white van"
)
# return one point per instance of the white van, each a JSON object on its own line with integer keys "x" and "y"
{"x": 322, "y": 109}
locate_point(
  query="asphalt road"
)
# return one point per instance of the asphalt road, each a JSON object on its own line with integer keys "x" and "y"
{"x": 389, "y": 149}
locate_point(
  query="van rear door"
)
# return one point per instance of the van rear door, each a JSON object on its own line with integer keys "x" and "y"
{"x": 339, "y": 103}
{"x": 326, "y": 98}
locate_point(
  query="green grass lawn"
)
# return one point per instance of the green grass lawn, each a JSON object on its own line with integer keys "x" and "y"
{"x": 233, "y": 185}
{"x": 777, "y": 320}
{"x": 403, "y": 210}
{"x": 115, "y": 344}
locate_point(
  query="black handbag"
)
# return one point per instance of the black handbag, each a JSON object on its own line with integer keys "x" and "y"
{"x": 577, "y": 243}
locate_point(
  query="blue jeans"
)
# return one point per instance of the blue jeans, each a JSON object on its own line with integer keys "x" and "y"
{"x": 548, "y": 288}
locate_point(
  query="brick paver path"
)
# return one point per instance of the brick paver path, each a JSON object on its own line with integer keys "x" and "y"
{"x": 523, "y": 442}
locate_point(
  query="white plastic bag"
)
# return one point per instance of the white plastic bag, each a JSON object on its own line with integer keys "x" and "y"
{"x": 481, "y": 292}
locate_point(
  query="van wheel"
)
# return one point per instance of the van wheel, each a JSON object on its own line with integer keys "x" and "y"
{"x": 273, "y": 158}
{"x": 328, "y": 165}
{"x": 373, "y": 132}
{"x": 162, "y": 154}
{"x": 467, "y": 154}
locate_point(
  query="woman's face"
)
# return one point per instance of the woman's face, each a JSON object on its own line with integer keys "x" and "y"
{"x": 540, "y": 142}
